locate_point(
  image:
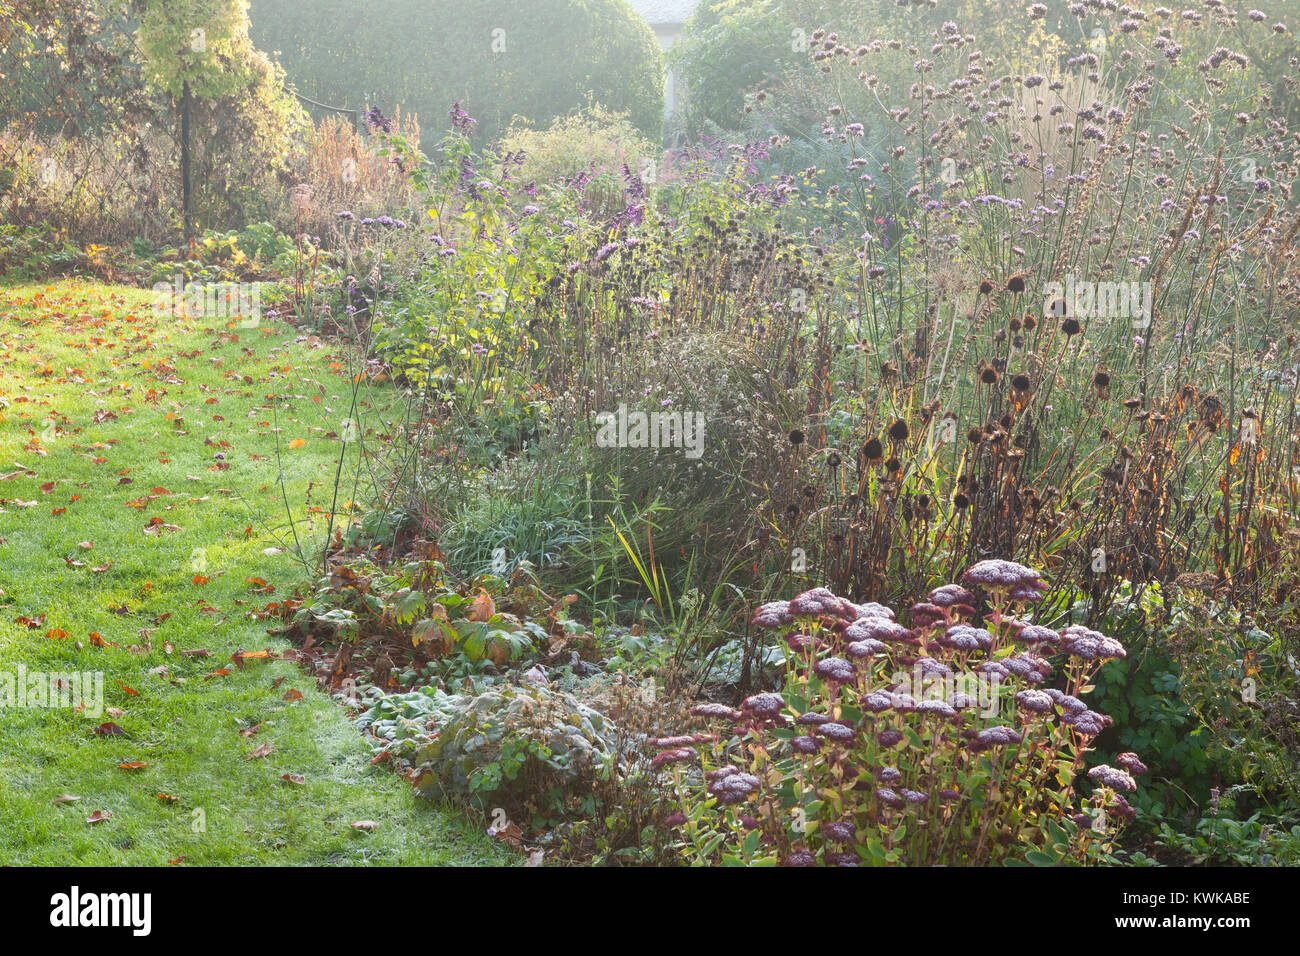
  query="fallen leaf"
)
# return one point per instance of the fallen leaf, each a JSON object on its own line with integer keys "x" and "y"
{"x": 483, "y": 608}
{"x": 99, "y": 816}
{"x": 367, "y": 825}
{"x": 262, "y": 751}
{"x": 65, "y": 798}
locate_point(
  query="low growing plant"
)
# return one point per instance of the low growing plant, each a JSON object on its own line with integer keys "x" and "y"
{"x": 938, "y": 743}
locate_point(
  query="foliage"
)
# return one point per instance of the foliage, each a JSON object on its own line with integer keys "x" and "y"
{"x": 525, "y": 749}
{"x": 1220, "y": 838}
{"x": 93, "y": 153}
{"x": 600, "y": 146}
{"x": 505, "y": 58}
{"x": 199, "y": 44}
{"x": 959, "y": 758}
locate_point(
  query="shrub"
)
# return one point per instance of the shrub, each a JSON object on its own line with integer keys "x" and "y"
{"x": 339, "y": 170}
{"x": 592, "y": 143}
{"x": 504, "y": 58}
{"x": 525, "y": 749}
{"x": 921, "y": 745}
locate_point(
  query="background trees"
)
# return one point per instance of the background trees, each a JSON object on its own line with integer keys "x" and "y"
{"x": 539, "y": 59}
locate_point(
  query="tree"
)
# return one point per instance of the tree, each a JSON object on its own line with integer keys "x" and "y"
{"x": 534, "y": 59}
{"x": 195, "y": 48}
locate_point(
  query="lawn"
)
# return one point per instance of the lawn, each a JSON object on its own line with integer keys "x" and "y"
{"x": 146, "y": 464}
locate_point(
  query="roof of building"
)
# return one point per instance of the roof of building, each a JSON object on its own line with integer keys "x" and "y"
{"x": 663, "y": 12}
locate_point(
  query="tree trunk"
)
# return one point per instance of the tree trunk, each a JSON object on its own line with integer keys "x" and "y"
{"x": 186, "y": 209}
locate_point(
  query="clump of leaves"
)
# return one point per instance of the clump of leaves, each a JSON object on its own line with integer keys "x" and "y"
{"x": 938, "y": 743}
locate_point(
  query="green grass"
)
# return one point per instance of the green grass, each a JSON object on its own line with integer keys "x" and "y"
{"x": 178, "y": 389}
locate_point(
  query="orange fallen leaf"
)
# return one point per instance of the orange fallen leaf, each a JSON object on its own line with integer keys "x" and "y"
{"x": 133, "y": 765}
{"x": 298, "y": 443}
